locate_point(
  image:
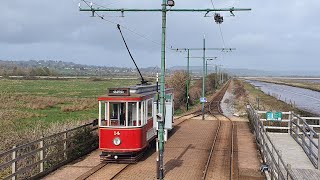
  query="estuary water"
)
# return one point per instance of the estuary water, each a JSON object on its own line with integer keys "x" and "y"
{"x": 304, "y": 99}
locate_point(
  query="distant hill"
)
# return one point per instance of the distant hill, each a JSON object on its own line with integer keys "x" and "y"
{"x": 249, "y": 72}
{"x": 54, "y": 67}
{"x": 69, "y": 69}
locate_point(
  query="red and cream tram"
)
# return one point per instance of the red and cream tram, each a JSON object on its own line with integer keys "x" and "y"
{"x": 127, "y": 121}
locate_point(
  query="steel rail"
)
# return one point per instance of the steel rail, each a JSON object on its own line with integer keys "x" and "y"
{"x": 215, "y": 104}
{"x": 92, "y": 171}
{"x": 232, "y": 130}
{"x": 211, "y": 151}
{"x": 232, "y": 144}
{"x": 117, "y": 174}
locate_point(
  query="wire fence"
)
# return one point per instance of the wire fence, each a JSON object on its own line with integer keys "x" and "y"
{"x": 40, "y": 157}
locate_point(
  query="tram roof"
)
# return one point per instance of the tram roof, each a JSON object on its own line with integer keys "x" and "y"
{"x": 131, "y": 93}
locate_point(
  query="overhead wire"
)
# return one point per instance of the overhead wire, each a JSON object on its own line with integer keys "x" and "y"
{"x": 124, "y": 27}
{"x": 221, "y": 34}
{"x": 99, "y": 5}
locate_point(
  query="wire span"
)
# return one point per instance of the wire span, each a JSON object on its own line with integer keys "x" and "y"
{"x": 123, "y": 27}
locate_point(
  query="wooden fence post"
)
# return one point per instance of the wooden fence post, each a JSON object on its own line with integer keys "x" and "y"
{"x": 14, "y": 163}
{"x": 41, "y": 155}
{"x": 65, "y": 137}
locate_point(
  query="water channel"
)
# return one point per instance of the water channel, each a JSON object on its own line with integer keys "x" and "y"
{"x": 304, "y": 99}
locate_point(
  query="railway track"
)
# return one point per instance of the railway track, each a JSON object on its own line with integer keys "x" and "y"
{"x": 110, "y": 171}
{"x": 212, "y": 108}
{"x": 119, "y": 172}
{"x": 215, "y": 110}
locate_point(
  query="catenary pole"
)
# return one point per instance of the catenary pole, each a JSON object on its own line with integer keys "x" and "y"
{"x": 162, "y": 89}
{"x": 188, "y": 77}
{"x": 203, "y": 75}
{"x": 163, "y": 43}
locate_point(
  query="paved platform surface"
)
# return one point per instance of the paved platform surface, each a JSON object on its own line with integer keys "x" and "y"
{"x": 77, "y": 168}
{"x": 185, "y": 153}
{"x": 248, "y": 156}
{"x": 293, "y": 154}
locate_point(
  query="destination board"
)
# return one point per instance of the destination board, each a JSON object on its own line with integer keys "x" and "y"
{"x": 119, "y": 92}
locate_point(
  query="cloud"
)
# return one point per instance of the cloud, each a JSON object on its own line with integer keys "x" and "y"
{"x": 274, "y": 31}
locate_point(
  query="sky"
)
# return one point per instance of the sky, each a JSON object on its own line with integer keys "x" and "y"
{"x": 275, "y": 35}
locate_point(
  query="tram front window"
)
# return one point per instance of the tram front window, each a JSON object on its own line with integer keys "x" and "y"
{"x": 117, "y": 114}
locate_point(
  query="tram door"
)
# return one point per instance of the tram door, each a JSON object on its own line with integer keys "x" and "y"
{"x": 118, "y": 114}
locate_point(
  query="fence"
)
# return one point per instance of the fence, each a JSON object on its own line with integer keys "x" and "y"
{"x": 270, "y": 155}
{"x": 306, "y": 137}
{"x": 40, "y": 157}
{"x": 272, "y": 126}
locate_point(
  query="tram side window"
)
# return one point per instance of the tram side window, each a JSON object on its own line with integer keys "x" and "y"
{"x": 150, "y": 102}
{"x": 132, "y": 114}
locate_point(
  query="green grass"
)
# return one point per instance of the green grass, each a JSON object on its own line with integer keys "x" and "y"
{"x": 61, "y": 88}
{"x": 29, "y": 103}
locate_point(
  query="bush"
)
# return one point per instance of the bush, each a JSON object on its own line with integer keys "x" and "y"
{"x": 178, "y": 81}
{"x": 195, "y": 92}
{"x": 211, "y": 83}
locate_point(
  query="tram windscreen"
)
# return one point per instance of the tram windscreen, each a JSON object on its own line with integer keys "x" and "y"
{"x": 117, "y": 114}
{"x": 120, "y": 117}
{"x": 114, "y": 111}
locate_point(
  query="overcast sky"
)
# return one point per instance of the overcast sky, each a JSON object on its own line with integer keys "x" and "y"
{"x": 275, "y": 35}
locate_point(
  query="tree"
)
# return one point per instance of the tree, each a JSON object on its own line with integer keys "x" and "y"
{"x": 178, "y": 81}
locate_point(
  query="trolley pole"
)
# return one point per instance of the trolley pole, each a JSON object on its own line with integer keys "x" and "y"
{"x": 164, "y": 10}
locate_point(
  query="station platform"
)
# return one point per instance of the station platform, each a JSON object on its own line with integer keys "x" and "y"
{"x": 293, "y": 154}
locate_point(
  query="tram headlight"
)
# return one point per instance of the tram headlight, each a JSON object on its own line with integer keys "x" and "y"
{"x": 117, "y": 141}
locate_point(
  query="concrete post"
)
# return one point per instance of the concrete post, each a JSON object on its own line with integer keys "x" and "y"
{"x": 14, "y": 164}
{"x": 290, "y": 123}
{"x": 303, "y": 135}
{"x": 310, "y": 141}
{"x": 288, "y": 172}
{"x": 298, "y": 122}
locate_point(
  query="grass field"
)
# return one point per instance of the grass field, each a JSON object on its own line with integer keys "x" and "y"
{"x": 29, "y": 104}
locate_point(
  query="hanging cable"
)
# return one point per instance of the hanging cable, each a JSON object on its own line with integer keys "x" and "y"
{"x": 221, "y": 34}
{"x": 124, "y": 27}
{"x": 142, "y": 79}
{"x": 99, "y": 4}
